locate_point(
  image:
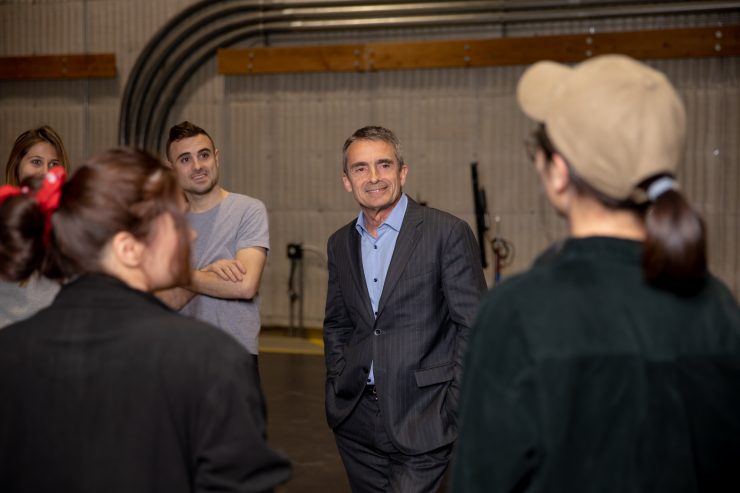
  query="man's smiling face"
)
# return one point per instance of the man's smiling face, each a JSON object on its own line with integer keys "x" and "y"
{"x": 373, "y": 175}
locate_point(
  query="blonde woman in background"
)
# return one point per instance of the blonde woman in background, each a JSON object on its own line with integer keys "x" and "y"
{"x": 34, "y": 152}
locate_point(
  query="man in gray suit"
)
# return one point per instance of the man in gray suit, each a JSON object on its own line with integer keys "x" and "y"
{"x": 404, "y": 286}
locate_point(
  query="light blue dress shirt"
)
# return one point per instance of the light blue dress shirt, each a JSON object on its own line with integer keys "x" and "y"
{"x": 377, "y": 254}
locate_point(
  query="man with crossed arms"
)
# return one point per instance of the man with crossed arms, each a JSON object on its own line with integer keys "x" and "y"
{"x": 230, "y": 250}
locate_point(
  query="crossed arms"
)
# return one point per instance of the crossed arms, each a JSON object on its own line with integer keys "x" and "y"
{"x": 238, "y": 278}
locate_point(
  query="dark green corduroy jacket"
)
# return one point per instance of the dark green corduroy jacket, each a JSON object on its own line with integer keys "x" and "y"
{"x": 581, "y": 377}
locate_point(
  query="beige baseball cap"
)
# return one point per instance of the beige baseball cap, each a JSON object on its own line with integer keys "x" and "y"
{"x": 614, "y": 119}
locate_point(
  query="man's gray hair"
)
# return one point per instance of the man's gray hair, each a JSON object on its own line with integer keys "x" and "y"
{"x": 373, "y": 133}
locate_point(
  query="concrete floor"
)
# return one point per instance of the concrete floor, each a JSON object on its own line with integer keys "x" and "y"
{"x": 292, "y": 372}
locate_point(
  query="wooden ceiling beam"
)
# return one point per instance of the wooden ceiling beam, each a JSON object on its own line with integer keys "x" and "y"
{"x": 567, "y": 48}
{"x": 71, "y": 66}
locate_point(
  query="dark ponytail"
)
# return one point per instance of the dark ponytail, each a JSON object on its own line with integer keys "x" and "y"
{"x": 674, "y": 254}
{"x": 21, "y": 237}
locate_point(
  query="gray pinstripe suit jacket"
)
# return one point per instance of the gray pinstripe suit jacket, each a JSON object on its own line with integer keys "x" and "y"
{"x": 418, "y": 340}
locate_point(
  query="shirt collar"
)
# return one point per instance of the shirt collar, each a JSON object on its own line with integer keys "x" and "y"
{"x": 394, "y": 219}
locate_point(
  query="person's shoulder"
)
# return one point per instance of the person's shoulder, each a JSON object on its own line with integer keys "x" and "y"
{"x": 524, "y": 289}
{"x": 434, "y": 216}
{"x": 430, "y": 212}
{"x": 343, "y": 231}
{"x": 716, "y": 286}
{"x": 509, "y": 306}
{"x": 250, "y": 213}
{"x": 512, "y": 287}
{"x": 146, "y": 322}
{"x": 188, "y": 350}
{"x": 719, "y": 293}
{"x": 242, "y": 200}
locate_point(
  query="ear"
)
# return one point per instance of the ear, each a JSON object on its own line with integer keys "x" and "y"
{"x": 558, "y": 174}
{"x": 347, "y": 183}
{"x": 216, "y": 156}
{"x": 403, "y": 172}
{"x": 166, "y": 159}
{"x": 127, "y": 250}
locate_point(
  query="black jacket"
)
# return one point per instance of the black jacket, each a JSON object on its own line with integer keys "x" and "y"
{"x": 108, "y": 390}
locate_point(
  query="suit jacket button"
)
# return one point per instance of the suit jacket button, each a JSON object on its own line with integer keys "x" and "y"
{"x": 378, "y": 332}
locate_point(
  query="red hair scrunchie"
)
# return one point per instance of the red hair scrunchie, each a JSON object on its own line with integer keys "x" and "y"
{"x": 49, "y": 195}
{"x": 7, "y": 191}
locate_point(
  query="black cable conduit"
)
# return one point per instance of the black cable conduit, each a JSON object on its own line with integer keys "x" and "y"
{"x": 192, "y": 37}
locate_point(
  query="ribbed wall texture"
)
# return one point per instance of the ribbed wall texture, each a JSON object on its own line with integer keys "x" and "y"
{"x": 280, "y": 136}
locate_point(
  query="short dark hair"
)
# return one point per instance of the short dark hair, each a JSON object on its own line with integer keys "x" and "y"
{"x": 373, "y": 133}
{"x": 185, "y": 130}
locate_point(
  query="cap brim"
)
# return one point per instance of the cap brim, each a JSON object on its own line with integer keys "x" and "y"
{"x": 536, "y": 90}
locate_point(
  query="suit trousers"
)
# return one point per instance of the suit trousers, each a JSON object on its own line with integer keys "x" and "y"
{"x": 375, "y": 465}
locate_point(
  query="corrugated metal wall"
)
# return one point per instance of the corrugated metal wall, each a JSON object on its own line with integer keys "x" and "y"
{"x": 280, "y": 136}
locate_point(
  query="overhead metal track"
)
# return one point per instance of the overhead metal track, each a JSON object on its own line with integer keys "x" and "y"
{"x": 191, "y": 38}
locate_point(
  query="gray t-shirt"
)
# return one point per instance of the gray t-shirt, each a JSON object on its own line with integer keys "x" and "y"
{"x": 237, "y": 222}
{"x": 20, "y": 301}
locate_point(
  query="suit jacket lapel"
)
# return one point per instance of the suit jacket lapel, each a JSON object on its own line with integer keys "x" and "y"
{"x": 358, "y": 273}
{"x": 405, "y": 245}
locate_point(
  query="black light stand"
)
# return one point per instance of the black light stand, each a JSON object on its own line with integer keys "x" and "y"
{"x": 295, "y": 293}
